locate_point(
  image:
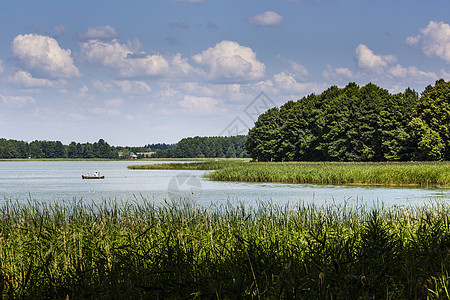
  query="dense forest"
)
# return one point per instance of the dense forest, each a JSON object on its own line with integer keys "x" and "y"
{"x": 356, "y": 124}
{"x": 55, "y": 149}
{"x": 187, "y": 147}
{"x": 160, "y": 146}
{"x": 231, "y": 147}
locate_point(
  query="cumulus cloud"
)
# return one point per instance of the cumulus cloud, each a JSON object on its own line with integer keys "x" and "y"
{"x": 180, "y": 67}
{"x": 386, "y": 66}
{"x": 228, "y": 61}
{"x": 269, "y": 18}
{"x": 337, "y": 74}
{"x": 101, "y": 32}
{"x": 133, "y": 87}
{"x": 412, "y": 72}
{"x": 199, "y": 104}
{"x": 17, "y": 100}
{"x": 123, "y": 59}
{"x": 445, "y": 75}
{"x": 124, "y": 86}
{"x": 293, "y": 67}
{"x": 288, "y": 83}
{"x": 434, "y": 40}
{"x": 42, "y": 56}
{"x": 367, "y": 59}
{"x": 25, "y": 79}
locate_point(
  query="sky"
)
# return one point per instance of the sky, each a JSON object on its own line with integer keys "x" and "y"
{"x": 139, "y": 72}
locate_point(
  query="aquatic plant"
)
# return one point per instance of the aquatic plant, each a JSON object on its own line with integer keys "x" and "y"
{"x": 138, "y": 249}
{"x": 424, "y": 174}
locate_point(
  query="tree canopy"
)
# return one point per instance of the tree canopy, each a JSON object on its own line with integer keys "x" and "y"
{"x": 356, "y": 124}
{"x": 217, "y": 146}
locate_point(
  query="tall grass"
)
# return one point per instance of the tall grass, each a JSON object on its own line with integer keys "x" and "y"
{"x": 421, "y": 174}
{"x": 143, "y": 251}
{"x": 418, "y": 174}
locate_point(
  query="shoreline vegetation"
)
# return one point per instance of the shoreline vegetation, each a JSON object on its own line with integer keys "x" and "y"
{"x": 421, "y": 174}
{"x": 139, "y": 250}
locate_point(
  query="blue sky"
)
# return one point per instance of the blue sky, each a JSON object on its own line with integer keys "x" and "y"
{"x": 139, "y": 72}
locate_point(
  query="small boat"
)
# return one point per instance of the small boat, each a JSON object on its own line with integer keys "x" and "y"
{"x": 92, "y": 177}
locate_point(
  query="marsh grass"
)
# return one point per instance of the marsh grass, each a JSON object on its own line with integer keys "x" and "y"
{"x": 424, "y": 174}
{"x": 139, "y": 250}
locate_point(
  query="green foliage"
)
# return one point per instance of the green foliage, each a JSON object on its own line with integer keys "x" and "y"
{"x": 55, "y": 149}
{"x": 138, "y": 250}
{"x": 356, "y": 124}
{"x": 227, "y": 147}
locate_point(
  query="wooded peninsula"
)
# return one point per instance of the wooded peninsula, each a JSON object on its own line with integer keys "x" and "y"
{"x": 356, "y": 124}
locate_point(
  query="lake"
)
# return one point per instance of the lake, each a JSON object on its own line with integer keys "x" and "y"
{"x": 61, "y": 181}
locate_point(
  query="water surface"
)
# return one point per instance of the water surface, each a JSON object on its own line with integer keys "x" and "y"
{"x": 61, "y": 180}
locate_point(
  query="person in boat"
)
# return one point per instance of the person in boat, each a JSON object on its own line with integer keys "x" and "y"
{"x": 96, "y": 174}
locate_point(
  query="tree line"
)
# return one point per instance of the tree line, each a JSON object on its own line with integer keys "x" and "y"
{"x": 199, "y": 147}
{"x": 356, "y": 124}
{"x": 55, "y": 149}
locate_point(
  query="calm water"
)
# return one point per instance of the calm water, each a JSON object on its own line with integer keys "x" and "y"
{"x": 61, "y": 180}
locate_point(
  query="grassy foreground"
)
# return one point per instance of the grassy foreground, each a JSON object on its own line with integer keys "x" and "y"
{"x": 396, "y": 174}
{"x": 142, "y": 251}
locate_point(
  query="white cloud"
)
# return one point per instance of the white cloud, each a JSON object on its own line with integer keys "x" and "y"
{"x": 101, "y": 32}
{"x": 166, "y": 90}
{"x": 434, "y": 40}
{"x": 288, "y": 83}
{"x": 124, "y": 86}
{"x": 445, "y": 75}
{"x": 269, "y": 18}
{"x": 42, "y": 56}
{"x": 133, "y": 87}
{"x": 180, "y": 67}
{"x": 228, "y": 61}
{"x": 367, "y": 59}
{"x": 103, "y": 86}
{"x": 412, "y": 73}
{"x": 25, "y": 79}
{"x": 17, "y": 100}
{"x": 199, "y": 104}
{"x": 293, "y": 67}
{"x": 337, "y": 74}
{"x": 123, "y": 59}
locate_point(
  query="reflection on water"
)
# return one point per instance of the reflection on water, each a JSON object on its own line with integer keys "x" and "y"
{"x": 61, "y": 180}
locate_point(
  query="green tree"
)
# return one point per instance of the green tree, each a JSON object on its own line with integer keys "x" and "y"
{"x": 265, "y": 137}
{"x": 430, "y": 124}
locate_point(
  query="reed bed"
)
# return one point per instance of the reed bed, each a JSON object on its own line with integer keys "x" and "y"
{"x": 328, "y": 173}
{"x": 424, "y": 174}
{"x": 139, "y": 250}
